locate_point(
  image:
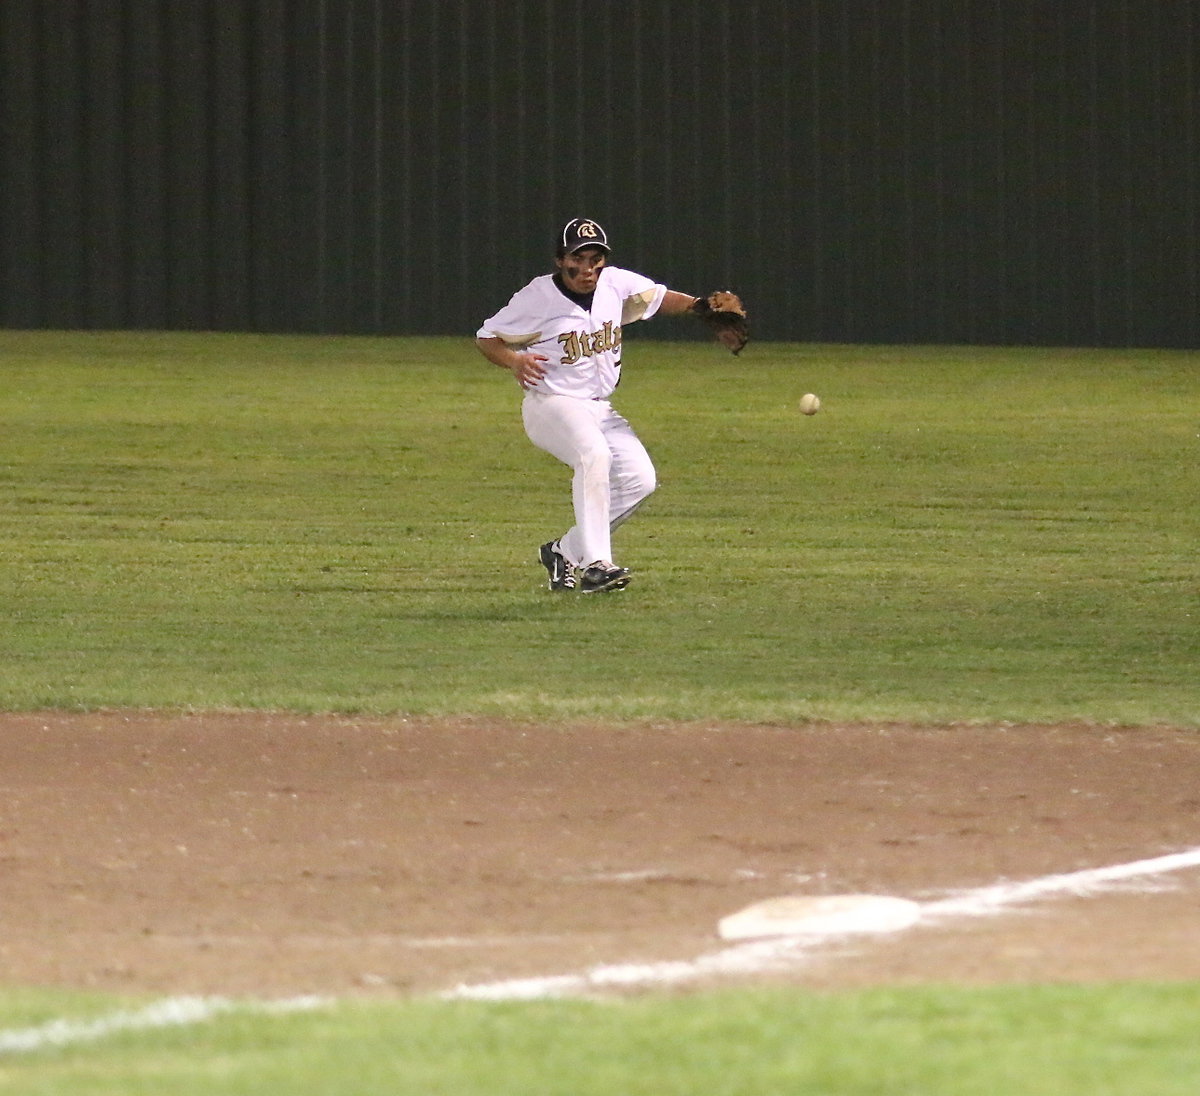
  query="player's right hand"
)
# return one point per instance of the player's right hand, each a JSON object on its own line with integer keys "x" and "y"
{"x": 527, "y": 367}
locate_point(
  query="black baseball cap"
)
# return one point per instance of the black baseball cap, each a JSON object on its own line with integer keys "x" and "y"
{"x": 582, "y": 232}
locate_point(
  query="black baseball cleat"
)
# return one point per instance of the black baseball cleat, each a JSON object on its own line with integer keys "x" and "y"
{"x": 562, "y": 574}
{"x": 602, "y": 575}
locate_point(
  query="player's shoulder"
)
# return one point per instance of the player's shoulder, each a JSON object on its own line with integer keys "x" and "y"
{"x": 532, "y": 295}
{"x": 619, "y": 272}
{"x": 540, "y": 287}
{"x": 625, "y": 281}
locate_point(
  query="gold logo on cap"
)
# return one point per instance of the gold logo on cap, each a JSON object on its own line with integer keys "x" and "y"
{"x": 588, "y": 230}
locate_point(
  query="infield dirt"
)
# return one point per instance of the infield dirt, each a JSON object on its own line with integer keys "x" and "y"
{"x": 268, "y": 853}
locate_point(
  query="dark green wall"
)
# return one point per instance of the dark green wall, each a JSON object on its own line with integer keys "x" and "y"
{"x": 1009, "y": 171}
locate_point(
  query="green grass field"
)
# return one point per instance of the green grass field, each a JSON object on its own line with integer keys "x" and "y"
{"x": 324, "y": 524}
{"x": 202, "y": 520}
{"x": 1032, "y": 1041}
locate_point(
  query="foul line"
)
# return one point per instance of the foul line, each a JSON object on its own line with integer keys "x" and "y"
{"x": 756, "y": 956}
{"x": 169, "y": 1012}
{"x": 780, "y": 952}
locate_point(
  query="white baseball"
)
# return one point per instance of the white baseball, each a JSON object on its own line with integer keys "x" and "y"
{"x": 810, "y": 404}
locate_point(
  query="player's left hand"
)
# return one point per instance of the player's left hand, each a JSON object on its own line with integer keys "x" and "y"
{"x": 725, "y": 315}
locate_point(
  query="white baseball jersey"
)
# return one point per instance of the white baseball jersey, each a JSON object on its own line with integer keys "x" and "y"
{"x": 583, "y": 348}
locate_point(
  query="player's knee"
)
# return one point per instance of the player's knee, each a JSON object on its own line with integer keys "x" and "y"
{"x": 640, "y": 489}
{"x": 642, "y": 481}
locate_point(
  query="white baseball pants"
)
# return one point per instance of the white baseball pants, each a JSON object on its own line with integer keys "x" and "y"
{"x": 613, "y": 471}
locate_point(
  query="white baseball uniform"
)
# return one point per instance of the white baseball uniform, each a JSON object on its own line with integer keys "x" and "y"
{"x": 567, "y": 413}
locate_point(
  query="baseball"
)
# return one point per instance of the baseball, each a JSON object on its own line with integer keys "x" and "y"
{"x": 810, "y": 404}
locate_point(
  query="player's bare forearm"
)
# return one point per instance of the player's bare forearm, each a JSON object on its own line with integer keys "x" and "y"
{"x": 676, "y": 304}
{"x": 525, "y": 365}
{"x": 496, "y": 351}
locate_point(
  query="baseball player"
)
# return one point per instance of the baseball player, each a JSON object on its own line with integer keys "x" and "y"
{"x": 560, "y": 336}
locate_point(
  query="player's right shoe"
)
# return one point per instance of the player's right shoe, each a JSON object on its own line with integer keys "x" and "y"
{"x": 602, "y": 575}
{"x": 562, "y": 574}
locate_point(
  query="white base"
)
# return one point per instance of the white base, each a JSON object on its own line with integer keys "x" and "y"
{"x": 822, "y": 915}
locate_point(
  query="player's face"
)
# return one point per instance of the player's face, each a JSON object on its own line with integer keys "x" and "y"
{"x": 581, "y": 269}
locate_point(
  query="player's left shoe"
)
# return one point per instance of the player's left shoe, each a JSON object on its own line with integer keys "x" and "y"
{"x": 562, "y": 574}
{"x": 602, "y": 575}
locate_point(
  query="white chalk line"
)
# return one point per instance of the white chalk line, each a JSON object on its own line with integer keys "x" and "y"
{"x": 776, "y": 953}
{"x": 169, "y": 1012}
{"x": 742, "y": 959}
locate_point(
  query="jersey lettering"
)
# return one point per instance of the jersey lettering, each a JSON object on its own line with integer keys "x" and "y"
{"x": 570, "y": 345}
{"x": 578, "y": 345}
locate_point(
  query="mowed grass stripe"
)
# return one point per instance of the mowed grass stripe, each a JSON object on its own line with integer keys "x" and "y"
{"x": 351, "y": 524}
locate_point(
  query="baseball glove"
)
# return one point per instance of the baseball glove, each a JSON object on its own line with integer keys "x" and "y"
{"x": 726, "y": 316}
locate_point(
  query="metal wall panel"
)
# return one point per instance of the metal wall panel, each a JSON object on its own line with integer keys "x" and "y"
{"x": 861, "y": 170}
